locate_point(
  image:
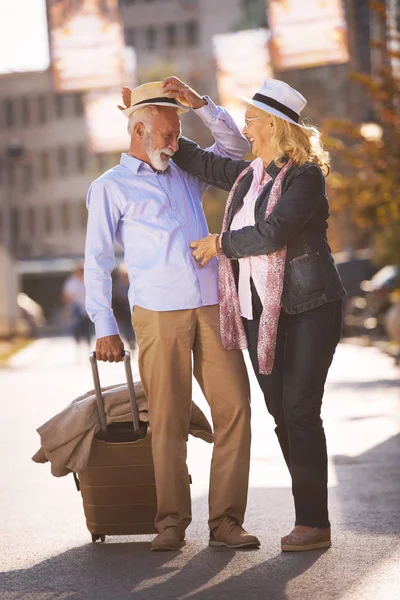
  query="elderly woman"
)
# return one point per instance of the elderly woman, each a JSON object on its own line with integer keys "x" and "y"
{"x": 280, "y": 293}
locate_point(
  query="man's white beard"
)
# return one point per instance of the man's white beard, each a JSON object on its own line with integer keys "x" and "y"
{"x": 157, "y": 162}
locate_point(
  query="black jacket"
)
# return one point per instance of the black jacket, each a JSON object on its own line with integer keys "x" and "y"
{"x": 299, "y": 221}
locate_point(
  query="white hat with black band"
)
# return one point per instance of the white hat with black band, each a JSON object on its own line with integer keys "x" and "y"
{"x": 278, "y": 98}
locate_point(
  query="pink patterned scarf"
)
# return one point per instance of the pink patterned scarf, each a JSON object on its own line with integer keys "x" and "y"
{"x": 232, "y": 331}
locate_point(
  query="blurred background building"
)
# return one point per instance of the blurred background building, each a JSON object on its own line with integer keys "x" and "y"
{"x": 51, "y": 145}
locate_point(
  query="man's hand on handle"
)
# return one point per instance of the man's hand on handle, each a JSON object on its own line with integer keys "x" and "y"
{"x": 109, "y": 348}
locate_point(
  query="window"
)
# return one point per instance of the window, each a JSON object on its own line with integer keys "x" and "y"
{"x": 15, "y": 226}
{"x": 81, "y": 157}
{"x": 78, "y": 105}
{"x": 48, "y": 219}
{"x": 9, "y": 113}
{"x": 66, "y": 221}
{"x": 42, "y": 109}
{"x": 31, "y": 221}
{"x": 27, "y": 177}
{"x": 26, "y": 113}
{"x": 101, "y": 160}
{"x": 171, "y": 35}
{"x": 83, "y": 214}
{"x": 192, "y": 33}
{"x": 130, "y": 37}
{"x": 62, "y": 160}
{"x": 44, "y": 165}
{"x": 12, "y": 173}
{"x": 59, "y": 104}
{"x": 151, "y": 38}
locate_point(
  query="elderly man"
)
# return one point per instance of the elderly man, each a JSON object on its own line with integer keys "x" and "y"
{"x": 153, "y": 210}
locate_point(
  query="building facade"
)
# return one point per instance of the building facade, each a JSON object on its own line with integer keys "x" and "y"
{"x": 45, "y": 163}
{"x": 45, "y": 167}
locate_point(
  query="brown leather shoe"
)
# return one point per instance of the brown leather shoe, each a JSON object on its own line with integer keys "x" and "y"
{"x": 230, "y": 534}
{"x": 313, "y": 539}
{"x": 169, "y": 539}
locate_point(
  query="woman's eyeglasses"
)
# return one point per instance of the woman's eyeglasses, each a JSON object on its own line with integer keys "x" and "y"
{"x": 249, "y": 119}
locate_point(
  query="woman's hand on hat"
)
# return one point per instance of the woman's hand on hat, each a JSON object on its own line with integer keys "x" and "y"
{"x": 175, "y": 88}
{"x": 205, "y": 249}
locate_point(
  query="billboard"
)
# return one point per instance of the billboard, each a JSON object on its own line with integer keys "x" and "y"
{"x": 86, "y": 44}
{"x": 242, "y": 63}
{"x": 106, "y": 126}
{"x": 307, "y": 37}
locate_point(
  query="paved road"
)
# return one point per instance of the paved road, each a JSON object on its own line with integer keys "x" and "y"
{"x": 45, "y": 549}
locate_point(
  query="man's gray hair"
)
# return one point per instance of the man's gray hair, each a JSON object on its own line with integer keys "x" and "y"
{"x": 142, "y": 115}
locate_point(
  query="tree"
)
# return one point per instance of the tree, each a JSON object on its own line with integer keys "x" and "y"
{"x": 365, "y": 185}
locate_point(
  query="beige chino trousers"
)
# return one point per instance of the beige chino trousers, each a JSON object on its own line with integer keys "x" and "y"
{"x": 167, "y": 343}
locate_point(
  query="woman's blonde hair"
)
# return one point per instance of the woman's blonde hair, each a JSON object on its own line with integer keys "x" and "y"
{"x": 300, "y": 144}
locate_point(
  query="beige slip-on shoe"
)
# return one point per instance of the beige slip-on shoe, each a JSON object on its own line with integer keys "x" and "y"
{"x": 169, "y": 539}
{"x": 314, "y": 539}
{"x": 232, "y": 535}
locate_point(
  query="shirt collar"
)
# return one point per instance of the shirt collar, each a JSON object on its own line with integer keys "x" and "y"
{"x": 130, "y": 162}
{"x": 135, "y": 164}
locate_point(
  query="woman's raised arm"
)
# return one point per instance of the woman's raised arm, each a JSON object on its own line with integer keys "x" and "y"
{"x": 214, "y": 170}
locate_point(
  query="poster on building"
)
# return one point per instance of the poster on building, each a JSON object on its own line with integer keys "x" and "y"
{"x": 106, "y": 125}
{"x": 307, "y": 38}
{"x": 242, "y": 62}
{"x": 86, "y": 44}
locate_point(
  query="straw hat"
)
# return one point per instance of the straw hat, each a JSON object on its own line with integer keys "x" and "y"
{"x": 151, "y": 94}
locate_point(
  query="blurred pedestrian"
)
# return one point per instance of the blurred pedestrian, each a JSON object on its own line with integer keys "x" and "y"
{"x": 153, "y": 209}
{"x": 74, "y": 297}
{"x": 121, "y": 308}
{"x": 280, "y": 293}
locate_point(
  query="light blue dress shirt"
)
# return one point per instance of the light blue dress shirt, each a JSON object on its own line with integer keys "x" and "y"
{"x": 153, "y": 216}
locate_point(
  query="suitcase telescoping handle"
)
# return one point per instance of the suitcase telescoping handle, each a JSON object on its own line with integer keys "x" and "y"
{"x": 99, "y": 395}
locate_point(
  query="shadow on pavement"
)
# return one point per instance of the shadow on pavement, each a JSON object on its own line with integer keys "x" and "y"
{"x": 368, "y": 489}
{"x": 365, "y": 513}
{"x": 122, "y": 571}
{"x": 364, "y": 385}
{"x": 365, "y": 533}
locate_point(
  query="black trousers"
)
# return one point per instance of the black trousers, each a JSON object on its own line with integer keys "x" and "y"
{"x": 293, "y": 394}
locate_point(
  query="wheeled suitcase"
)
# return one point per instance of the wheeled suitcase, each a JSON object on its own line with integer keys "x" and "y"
{"x": 118, "y": 486}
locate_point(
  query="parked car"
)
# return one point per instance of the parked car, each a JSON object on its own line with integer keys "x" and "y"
{"x": 366, "y": 313}
{"x": 354, "y": 268}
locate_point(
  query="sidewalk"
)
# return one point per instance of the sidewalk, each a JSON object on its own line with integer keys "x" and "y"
{"x": 47, "y": 548}
{"x": 8, "y": 348}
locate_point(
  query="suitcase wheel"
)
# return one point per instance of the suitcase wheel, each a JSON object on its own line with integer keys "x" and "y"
{"x": 100, "y": 537}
